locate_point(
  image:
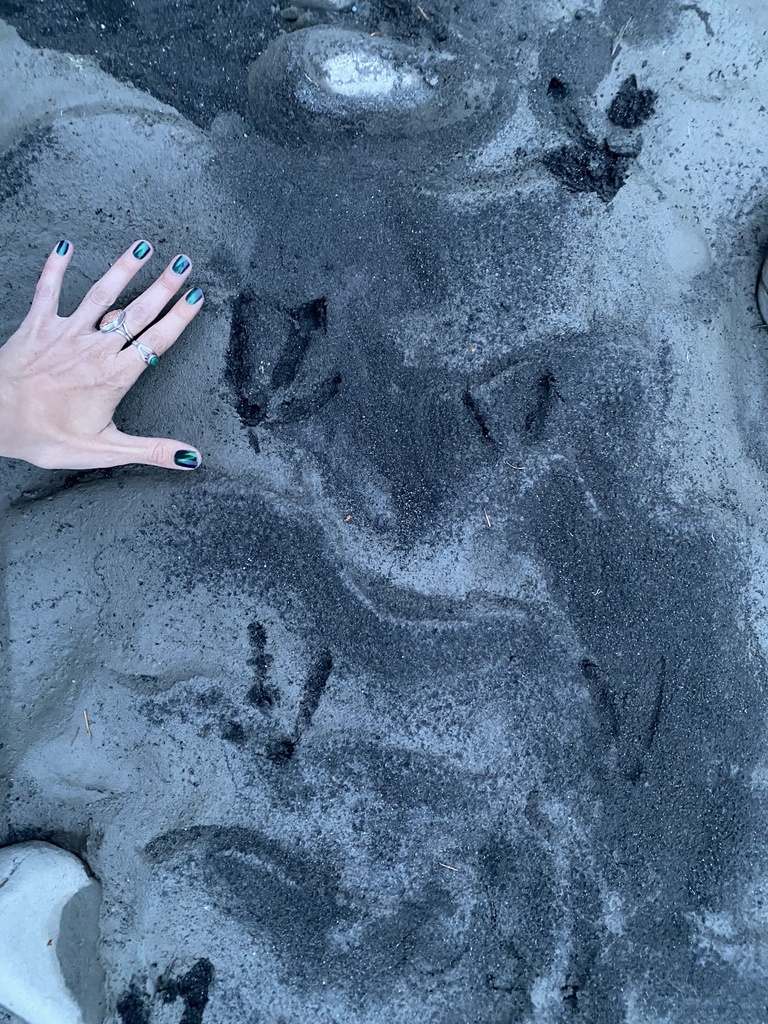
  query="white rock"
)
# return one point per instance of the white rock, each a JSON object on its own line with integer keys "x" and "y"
{"x": 367, "y": 73}
{"x": 48, "y": 931}
{"x": 313, "y": 80}
{"x": 326, "y": 5}
{"x": 362, "y": 76}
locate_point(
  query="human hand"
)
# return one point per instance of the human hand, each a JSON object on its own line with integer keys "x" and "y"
{"x": 61, "y": 379}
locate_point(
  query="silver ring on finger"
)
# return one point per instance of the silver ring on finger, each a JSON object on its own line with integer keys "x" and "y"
{"x": 113, "y": 322}
{"x": 148, "y": 355}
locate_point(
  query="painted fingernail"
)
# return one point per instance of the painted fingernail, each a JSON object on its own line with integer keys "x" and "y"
{"x": 141, "y": 250}
{"x": 187, "y": 459}
{"x": 62, "y": 248}
{"x": 194, "y": 296}
{"x": 180, "y": 265}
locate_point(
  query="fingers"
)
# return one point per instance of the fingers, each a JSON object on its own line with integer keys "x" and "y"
{"x": 152, "y": 302}
{"x": 160, "y": 336}
{"x": 104, "y": 293}
{"x": 45, "y": 304}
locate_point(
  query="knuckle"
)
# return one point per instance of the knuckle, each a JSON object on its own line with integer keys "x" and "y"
{"x": 158, "y": 453}
{"x": 45, "y": 289}
{"x": 155, "y": 339}
{"x": 137, "y": 312}
{"x": 99, "y": 295}
{"x": 169, "y": 282}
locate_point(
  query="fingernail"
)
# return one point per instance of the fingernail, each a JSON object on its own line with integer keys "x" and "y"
{"x": 141, "y": 250}
{"x": 188, "y": 459}
{"x": 62, "y": 248}
{"x": 180, "y": 265}
{"x": 194, "y": 296}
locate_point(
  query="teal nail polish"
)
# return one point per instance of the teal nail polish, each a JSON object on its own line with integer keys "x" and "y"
{"x": 141, "y": 250}
{"x": 187, "y": 459}
{"x": 194, "y": 296}
{"x": 180, "y": 265}
{"x": 62, "y": 248}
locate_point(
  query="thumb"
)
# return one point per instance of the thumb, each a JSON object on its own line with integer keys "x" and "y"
{"x": 153, "y": 451}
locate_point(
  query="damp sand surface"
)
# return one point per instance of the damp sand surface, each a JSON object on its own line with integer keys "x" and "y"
{"x": 438, "y": 693}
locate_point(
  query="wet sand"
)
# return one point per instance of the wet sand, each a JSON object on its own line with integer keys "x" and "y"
{"x": 438, "y": 693}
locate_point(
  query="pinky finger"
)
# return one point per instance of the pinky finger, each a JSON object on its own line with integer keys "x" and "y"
{"x": 45, "y": 304}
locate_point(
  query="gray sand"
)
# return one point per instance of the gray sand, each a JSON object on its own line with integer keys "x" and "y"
{"x": 438, "y": 694}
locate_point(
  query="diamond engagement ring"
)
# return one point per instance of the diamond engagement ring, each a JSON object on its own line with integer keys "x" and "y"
{"x": 114, "y": 320}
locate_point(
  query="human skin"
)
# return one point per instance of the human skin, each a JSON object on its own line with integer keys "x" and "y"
{"x": 61, "y": 379}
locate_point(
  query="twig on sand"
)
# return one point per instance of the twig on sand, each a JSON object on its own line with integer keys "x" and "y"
{"x": 87, "y": 724}
{"x": 487, "y": 517}
{"x": 449, "y": 866}
{"x": 77, "y": 733}
{"x": 618, "y": 39}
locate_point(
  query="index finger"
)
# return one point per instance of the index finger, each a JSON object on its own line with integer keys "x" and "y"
{"x": 102, "y": 295}
{"x": 45, "y": 304}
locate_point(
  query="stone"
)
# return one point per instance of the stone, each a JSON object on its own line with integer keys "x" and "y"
{"x": 49, "y": 907}
{"x": 315, "y": 79}
{"x": 332, "y": 6}
{"x": 619, "y": 142}
{"x": 366, "y": 75}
